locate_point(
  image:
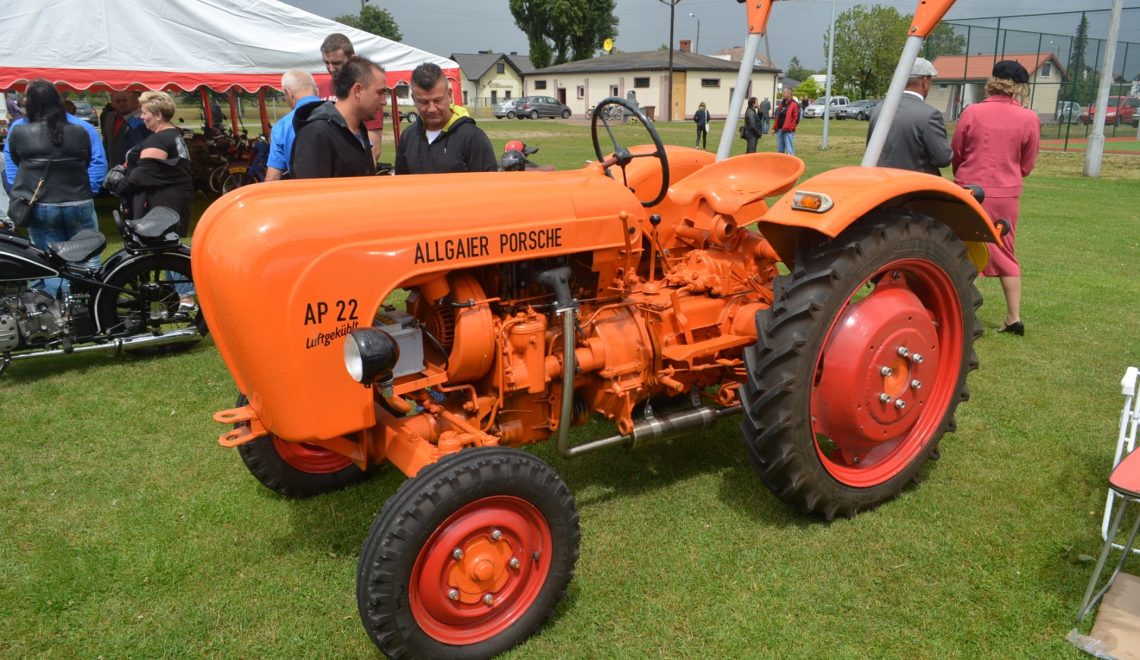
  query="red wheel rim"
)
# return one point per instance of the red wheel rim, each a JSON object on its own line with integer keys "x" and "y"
{"x": 887, "y": 373}
{"x": 480, "y": 570}
{"x": 311, "y": 459}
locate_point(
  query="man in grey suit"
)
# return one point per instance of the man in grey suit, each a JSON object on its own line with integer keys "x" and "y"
{"x": 917, "y": 140}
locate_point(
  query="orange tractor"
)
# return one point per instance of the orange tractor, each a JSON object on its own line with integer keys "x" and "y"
{"x": 652, "y": 275}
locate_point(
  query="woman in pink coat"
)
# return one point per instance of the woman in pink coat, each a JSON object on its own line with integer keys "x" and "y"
{"x": 995, "y": 146}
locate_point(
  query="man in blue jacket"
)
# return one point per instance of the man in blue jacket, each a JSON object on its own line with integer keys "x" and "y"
{"x": 300, "y": 90}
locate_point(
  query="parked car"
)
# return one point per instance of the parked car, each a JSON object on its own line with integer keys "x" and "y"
{"x": 405, "y": 104}
{"x": 1121, "y": 110}
{"x": 1068, "y": 112}
{"x": 85, "y": 111}
{"x": 506, "y": 109}
{"x": 541, "y": 106}
{"x": 813, "y": 111}
{"x": 858, "y": 109}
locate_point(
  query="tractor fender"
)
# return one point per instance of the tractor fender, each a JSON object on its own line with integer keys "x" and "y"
{"x": 857, "y": 191}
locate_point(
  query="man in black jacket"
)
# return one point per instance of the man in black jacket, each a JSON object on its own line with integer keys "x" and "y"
{"x": 446, "y": 138}
{"x": 331, "y": 138}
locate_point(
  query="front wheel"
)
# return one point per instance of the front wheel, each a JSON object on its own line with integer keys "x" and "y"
{"x": 469, "y": 557}
{"x": 860, "y": 363}
{"x": 511, "y": 114}
{"x": 151, "y": 295}
{"x": 565, "y": 114}
{"x": 297, "y": 469}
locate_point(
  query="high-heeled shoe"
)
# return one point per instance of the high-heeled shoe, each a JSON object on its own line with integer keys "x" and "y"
{"x": 1015, "y": 328}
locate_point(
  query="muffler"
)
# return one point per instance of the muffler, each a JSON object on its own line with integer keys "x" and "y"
{"x": 182, "y": 336}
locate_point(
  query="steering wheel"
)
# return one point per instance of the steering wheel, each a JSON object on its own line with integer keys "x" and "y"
{"x": 621, "y": 155}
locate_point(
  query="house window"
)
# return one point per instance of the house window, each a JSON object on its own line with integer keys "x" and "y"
{"x": 641, "y": 83}
{"x": 500, "y": 68}
{"x": 613, "y": 90}
{"x": 540, "y": 84}
{"x": 1046, "y": 69}
{"x": 710, "y": 82}
{"x": 581, "y": 91}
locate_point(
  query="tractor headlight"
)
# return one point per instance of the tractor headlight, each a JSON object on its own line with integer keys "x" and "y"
{"x": 370, "y": 354}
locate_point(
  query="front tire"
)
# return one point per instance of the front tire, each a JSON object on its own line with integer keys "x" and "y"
{"x": 469, "y": 557}
{"x": 297, "y": 469}
{"x": 565, "y": 114}
{"x": 511, "y": 114}
{"x": 860, "y": 363}
{"x": 144, "y": 295}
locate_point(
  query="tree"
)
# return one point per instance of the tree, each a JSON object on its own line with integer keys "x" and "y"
{"x": 377, "y": 21}
{"x": 1083, "y": 81}
{"x": 560, "y": 31}
{"x": 867, "y": 48}
{"x": 796, "y": 71}
{"x": 809, "y": 89}
{"x": 944, "y": 40}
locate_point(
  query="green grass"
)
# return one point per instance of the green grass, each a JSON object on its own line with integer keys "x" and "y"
{"x": 126, "y": 531}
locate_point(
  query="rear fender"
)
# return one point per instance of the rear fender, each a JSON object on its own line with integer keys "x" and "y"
{"x": 857, "y": 191}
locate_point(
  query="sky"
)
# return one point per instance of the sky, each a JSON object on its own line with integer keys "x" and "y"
{"x": 795, "y": 29}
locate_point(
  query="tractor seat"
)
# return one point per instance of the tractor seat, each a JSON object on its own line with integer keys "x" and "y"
{"x": 731, "y": 184}
{"x": 85, "y": 244}
{"x": 156, "y": 223}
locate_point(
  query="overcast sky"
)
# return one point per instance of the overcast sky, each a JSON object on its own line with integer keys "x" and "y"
{"x": 795, "y": 29}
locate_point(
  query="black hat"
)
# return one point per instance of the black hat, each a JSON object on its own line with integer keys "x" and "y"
{"x": 1011, "y": 70}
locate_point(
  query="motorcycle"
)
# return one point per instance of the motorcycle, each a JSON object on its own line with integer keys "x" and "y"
{"x": 516, "y": 158}
{"x": 138, "y": 300}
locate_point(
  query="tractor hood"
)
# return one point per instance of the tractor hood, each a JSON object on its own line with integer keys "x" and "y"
{"x": 285, "y": 270}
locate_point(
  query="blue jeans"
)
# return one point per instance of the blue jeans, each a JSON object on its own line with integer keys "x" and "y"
{"x": 786, "y": 142}
{"x": 54, "y": 224}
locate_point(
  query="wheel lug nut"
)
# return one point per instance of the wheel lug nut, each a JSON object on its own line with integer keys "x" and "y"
{"x": 457, "y": 553}
{"x": 903, "y": 352}
{"x": 453, "y": 594}
{"x": 514, "y": 562}
{"x": 496, "y": 535}
{"x": 900, "y": 404}
{"x": 886, "y": 371}
{"x": 488, "y": 599}
{"x": 916, "y": 384}
{"x": 885, "y": 398}
{"x": 917, "y": 358}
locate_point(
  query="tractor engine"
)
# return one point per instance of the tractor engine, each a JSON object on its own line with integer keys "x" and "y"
{"x": 648, "y": 323}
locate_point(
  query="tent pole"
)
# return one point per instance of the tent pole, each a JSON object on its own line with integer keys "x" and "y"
{"x": 233, "y": 111}
{"x": 395, "y": 116}
{"x": 210, "y": 118}
{"x": 264, "y": 112}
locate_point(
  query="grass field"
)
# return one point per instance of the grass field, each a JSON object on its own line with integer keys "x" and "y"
{"x": 126, "y": 531}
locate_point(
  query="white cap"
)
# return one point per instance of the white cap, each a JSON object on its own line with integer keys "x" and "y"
{"x": 922, "y": 67}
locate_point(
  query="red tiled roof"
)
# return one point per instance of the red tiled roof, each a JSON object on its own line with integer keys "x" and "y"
{"x": 979, "y": 67}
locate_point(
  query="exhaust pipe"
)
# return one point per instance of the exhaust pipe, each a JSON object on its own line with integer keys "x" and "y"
{"x": 652, "y": 430}
{"x": 183, "y": 336}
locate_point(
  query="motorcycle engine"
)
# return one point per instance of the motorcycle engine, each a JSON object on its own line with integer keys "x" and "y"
{"x": 28, "y": 313}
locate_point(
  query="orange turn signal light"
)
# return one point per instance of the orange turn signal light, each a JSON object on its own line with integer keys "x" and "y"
{"x": 811, "y": 201}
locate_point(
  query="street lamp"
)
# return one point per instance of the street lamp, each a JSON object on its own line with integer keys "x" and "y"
{"x": 672, "y": 19}
{"x": 697, "y": 47}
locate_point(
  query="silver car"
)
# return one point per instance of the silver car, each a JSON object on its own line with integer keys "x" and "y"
{"x": 506, "y": 109}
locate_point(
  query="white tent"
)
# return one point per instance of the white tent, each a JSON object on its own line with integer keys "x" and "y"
{"x": 179, "y": 44}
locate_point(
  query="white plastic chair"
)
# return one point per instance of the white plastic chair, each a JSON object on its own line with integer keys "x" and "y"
{"x": 1125, "y": 441}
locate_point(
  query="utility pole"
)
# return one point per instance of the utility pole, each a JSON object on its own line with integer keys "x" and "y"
{"x": 672, "y": 20}
{"x": 1095, "y": 151}
{"x": 827, "y": 93}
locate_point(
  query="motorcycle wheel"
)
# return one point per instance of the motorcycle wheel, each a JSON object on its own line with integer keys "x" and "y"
{"x": 297, "y": 469}
{"x": 237, "y": 177}
{"x": 144, "y": 296}
{"x": 469, "y": 557}
{"x": 860, "y": 363}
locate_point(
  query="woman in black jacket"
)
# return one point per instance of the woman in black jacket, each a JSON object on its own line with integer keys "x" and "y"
{"x": 60, "y": 153}
{"x": 158, "y": 170}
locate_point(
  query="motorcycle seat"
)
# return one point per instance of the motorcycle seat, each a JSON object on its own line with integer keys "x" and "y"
{"x": 156, "y": 223}
{"x": 85, "y": 244}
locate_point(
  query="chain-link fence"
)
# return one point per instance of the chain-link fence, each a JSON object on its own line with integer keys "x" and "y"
{"x": 1063, "y": 52}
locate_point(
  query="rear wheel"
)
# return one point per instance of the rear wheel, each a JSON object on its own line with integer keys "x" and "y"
{"x": 511, "y": 114}
{"x": 236, "y": 178}
{"x": 534, "y": 114}
{"x": 469, "y": 557}
{"x": 150, "y": 295}
{"x": 297, "y": 469}
{"x": 860, "y": 363}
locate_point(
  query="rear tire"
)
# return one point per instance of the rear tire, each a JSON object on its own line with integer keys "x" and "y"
{"x": 819, "y": 435}
{"x": 534, "y": 114}
{"x": 511, "y": 114}
{"x": 435, "y": 580}
{"x": 142, "y": 297}
{"x": 295, "y": 469}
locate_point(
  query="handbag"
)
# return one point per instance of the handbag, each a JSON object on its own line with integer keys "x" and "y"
{"x": 22, "y": 210}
